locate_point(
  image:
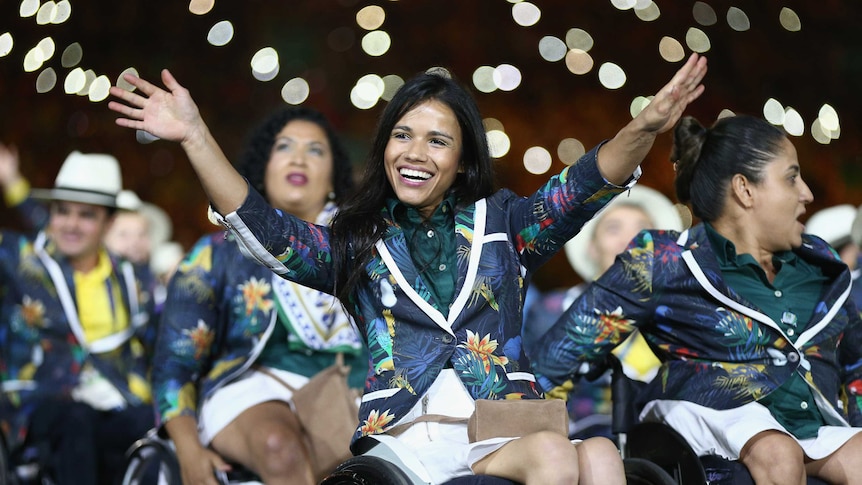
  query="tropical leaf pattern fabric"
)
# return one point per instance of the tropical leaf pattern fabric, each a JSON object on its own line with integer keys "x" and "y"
{"x": 500, "y": 241}
{"x": 219, "y": 309}
{"x": 717, "y": 349}
{"x": 40, "y": 356}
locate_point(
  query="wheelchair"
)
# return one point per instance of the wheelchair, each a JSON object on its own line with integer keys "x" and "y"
{"x": 153, "y": 460}
{"x": 660, "y": 445}
{"x": 23, "y": 466}
{"x": 379, "y": 465}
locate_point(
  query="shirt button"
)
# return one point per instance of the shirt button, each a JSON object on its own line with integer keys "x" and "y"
{"x": 778, "y": 293}
{"x": 442, "y": 267}
{"x": 803, "y": 405}
{"x": 793, "y": 357}
{"x": 430, "y": 233}
{"x": 447, "y": 339}
{"x": 790, "y": 332}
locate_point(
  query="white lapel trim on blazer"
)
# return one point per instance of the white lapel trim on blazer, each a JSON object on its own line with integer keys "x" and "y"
{"x": 105, "y": 344}
{"x": 479, "y": 217}
{"x": 469, "y": 280}
{"x": 426, "y": 307}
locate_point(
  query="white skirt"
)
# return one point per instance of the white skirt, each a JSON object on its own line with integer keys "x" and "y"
{"x": 725, "y": 432}
{"x": 232, "y": 399}
{"x": 438, "y": 452}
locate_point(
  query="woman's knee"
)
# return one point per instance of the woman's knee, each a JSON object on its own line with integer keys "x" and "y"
{"x": 774, "y": 457}
{"x": 280, "y": 450}
{"x": 550, "y": 449}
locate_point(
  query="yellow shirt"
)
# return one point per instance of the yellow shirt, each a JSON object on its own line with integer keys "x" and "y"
{"x": 101, "y": 308}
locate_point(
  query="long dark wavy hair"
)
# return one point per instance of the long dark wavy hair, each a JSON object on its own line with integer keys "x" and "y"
{"x": 707, "y": 158}
{"x": 359, "y": 222}
{"x": 257, "y": 150}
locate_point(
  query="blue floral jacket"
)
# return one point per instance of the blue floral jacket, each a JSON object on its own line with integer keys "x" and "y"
{"x": 717, "y": 349}
{"x": 218, "y": 315}
{"x": 500, "y": 241}
{"x": 41, "y": 355}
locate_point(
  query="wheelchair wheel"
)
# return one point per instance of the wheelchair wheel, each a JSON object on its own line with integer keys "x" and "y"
{"x": 145, "y": 457}
{"x": 645, "y": 472}
{"x": 366, "y": 470}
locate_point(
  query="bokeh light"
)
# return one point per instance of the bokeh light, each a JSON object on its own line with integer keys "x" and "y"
{"x": 570, "y": 150}
{"x": 789, "y": 20}
{"x": 537, "y": 160}
{"x": 704, "y": 14}
{"x": 612, "y": 76}
{"x": 649, "y": 12}
{"x": 552, "y": 49}
{"x": 793, "y": 123}
{"x": 670, "y": 49}
{"x": 579, "y": 39}
{"x": 221, "y": 33}
{"x": 201, "y": 7}
{"x": 370, "y": 17}
{"x": 6, "y": 44}
{"x": 498, "y": 143}
{"x": 376, "y": 43}
{"x": 295, "y": 91}
{"x": 579, "y": 61}
{"x": 264, "y": 64}
{"x": 737, "y": 19}
{"x": 507, "y": 77}
{"x": 71, "y": 55}
{"x": 483, "y": 79}
{"x": 46, "y": 81}
{"x": 526, "y": 14}
{"x": 697, "y": 40}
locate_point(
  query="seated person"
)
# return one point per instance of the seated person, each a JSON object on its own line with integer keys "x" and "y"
{"x": 230, "y": 325}
{"x": 590, "y": 253}
{"x": 745, "y": 311}
{"x": 75, "y": 331}
{"x": 841, "y": 227}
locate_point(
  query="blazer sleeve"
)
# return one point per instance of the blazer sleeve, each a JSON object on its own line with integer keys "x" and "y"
{"x": 555, "y": 213}
{"x": 601, "y": 318}
{"x": 187, "y": 333}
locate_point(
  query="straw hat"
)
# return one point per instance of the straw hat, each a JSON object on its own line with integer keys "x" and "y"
{"x": 664, "y": 214}
{"x": 856, "y": 229}
{"x": 832, "y": 224}
{"x": 89, "y": 178}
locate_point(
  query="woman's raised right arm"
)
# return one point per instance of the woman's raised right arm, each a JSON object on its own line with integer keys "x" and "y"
{"x": 172, "y": 115}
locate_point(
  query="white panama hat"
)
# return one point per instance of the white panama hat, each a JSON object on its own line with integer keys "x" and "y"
{"x": 856, "y": 230}
{"x": 89, "y": 178}
{"x": 664, "y": 214}
{"x": 832, "y": 224}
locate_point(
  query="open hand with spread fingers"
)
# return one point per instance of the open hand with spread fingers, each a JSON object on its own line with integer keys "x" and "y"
{"x": 670, "y": 102}
{"x": 169, "y": 114}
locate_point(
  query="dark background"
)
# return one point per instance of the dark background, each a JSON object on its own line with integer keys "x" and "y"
{"x": 820, "y": 64}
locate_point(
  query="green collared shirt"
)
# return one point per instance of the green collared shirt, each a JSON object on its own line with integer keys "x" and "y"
{"x": 789, "y": 300}
{"x": 432, "y": 247}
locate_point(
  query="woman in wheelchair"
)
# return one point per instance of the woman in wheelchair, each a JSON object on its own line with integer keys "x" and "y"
{"x": 229, "y": 326}
{"x": 433, "y": 264}
{"x": 745, "y": 311}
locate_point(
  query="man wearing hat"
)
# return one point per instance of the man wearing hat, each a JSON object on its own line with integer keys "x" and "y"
{"x": 74, "y": 331}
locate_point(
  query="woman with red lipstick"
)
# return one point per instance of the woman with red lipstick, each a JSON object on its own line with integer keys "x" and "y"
{"x": 433, "y": 263}
{"x": 745, "y": 311}
{"x": 226, "y": 319}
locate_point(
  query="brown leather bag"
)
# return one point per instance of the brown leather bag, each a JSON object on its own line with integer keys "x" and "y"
{"x": 327, "y": 410}
{"x": 514, "y": 418}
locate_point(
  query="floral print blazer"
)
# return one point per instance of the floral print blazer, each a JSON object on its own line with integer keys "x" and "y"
{"x": 218, "y": 316}
{"x": 41, "y": 350}
{"x": 718, "y": 350}
{"x": 500, "y": 241}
